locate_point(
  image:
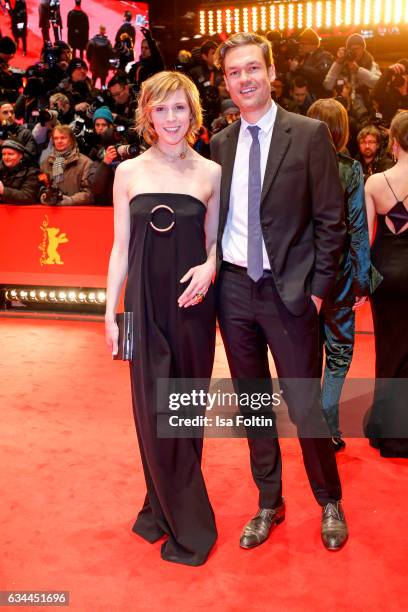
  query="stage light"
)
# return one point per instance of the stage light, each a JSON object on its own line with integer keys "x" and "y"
{"x": 309, "y": 15}
{"x": 300, "y": 16}
{"x": 281, "y": 13}
{"x": 328, "y": 20}
{"x": 263, "y": 18}
{"x": 13, "y": 293}
{"x": 254, "y": 12}
{"x": 52, "y": 295}
{"x": 196, "y": 36}
{"x": 228, "y": 21}
{"x": 347, "y": 13}
{"x": 91, "y": 296}
{"x": 62, "y": 295}
{"x": 72, "y": 296}
{"x": 202, "y": 22}
{"x": 81, "y": 296}
{"x": 357, "y": 12}
{"x": 406, "y": 11}
{"x": 23, "y": 294}
{"x": 272, "y": 18}
{"x": 291, "y": 16}
{"x": 43, "y": 294}
{"x": 237, "y": 22}
{"x": 210, "y": 16}
{"x": 397, "y": 11}
{"x": 219, "y": 21}
{"x": 367, "y": 12}
{"x": 319, "y": 15}
{"x": 245, "y": 20}
{"x": 339, "y": 13}
{"x": 377, "y": 12}
{"x": 101, "y": 297}
{"x": 33, "y": 294}
{"x": 387, "y": 11}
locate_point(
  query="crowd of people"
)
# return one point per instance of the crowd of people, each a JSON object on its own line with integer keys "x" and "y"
{"x": 60, "y": 90}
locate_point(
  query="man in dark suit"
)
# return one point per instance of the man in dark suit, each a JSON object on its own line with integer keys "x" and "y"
{"x": 281, "y": 233}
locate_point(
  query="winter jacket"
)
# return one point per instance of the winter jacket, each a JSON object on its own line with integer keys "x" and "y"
{"x": 21, "y": 184}
{"x": 75, "y": 183}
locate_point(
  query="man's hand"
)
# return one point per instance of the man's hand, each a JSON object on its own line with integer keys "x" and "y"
{"x": 359, "y": 302}
{"x": 317, "y": 302}
{"x": 341, "y": 54}
{"x": 1, "y": 188}
{"x": 110, "y": 155}
{"x": 82, "y": 107}
{"x": 66, "y": 200}
{"x": 397, "y": 68}
{"x": 293, "y": 64}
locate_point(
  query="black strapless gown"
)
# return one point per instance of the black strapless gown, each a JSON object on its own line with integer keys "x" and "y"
{"x": 170, "y": 342}
{"x": 387, "y": 422}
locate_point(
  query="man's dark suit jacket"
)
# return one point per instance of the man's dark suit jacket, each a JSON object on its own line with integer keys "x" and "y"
{"x": 302, "y": 206}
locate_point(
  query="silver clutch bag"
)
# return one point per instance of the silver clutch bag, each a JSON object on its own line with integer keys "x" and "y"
{"x": 124, "y": 321}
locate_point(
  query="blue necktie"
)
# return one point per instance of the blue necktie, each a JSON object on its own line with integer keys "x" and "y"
{"x": 254, "y": 253}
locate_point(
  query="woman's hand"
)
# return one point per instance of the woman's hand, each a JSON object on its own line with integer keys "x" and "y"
{"x": 111, "y": 335}
{"x": 201, "y": 277}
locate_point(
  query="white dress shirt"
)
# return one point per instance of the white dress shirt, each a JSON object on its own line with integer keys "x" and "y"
{"x": 235, "y": 237}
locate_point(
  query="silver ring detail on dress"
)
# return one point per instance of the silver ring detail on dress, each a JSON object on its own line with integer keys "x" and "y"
{"x": 164, "y": 229}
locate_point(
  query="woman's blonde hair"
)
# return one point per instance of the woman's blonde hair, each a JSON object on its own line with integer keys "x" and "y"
{"x": 335, "y": 116}
{"x": 154, "y": 92}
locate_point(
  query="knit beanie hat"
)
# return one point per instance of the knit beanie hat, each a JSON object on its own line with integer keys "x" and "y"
{"x": 76, "y": 63}
{"x": 103, "y": 113}
{"x": 355, "y": 40}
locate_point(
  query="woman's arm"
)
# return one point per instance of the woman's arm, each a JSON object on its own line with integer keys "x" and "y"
{"x": 370, "y": 207}
{"x": 201, "y": 276}
{"x": 118, "y": 263}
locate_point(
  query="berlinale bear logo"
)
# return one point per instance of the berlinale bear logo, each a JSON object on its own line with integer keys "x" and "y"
{"x": 50, "y": 243}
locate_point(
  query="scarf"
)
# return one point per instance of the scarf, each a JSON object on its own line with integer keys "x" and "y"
{"x": 58, "y": 166}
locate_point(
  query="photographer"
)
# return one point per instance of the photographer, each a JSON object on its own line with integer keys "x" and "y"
{"x": 67, "y": 170}
{"x": 77, "y": 86}
{"x": 102, "y": 124}
{"x": 18, "y": 175}
{"x": 123, "y": 100}
{"x": 10, "y": 129}
{"x": 149, "y": 63}
{"x": 358, "y": 66}
{"x": 391, "y": 90}
{"x": 312, "y": 63}
{"x": 206, "y": 76}
{"x": 9, "y": 82}
{"x": 300, "y": 96}
{"x": 58, "y": 111}
{"x": 372, "y": 151}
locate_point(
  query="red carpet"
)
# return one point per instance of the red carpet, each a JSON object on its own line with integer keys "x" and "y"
{"x": 71, "y": 484}
{"x": 108, "y": 13}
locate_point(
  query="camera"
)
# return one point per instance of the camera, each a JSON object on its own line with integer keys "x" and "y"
{"x": 4, "y": 131}
{"x": 45, "y": 115}
{"x": 52, "y": 195}
{"x": 350, "y": 55}
{"x": 95, "y": 104}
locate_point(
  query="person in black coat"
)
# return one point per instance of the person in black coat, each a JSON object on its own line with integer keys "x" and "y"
{"x": 126, "y": 28}
{"x": 19, "y": 182}
{"x": 98, "y": 53}
{"x": 9, "y": 83}
{"x": 78, "y": 29}
{"x": 18, "y": 14}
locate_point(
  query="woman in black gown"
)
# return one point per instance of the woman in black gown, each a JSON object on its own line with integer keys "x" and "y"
{"x": 166, "y": 217}
{"x": 387, "y": 202}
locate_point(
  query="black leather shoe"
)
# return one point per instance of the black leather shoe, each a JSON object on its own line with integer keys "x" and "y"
{"x": 338, "y": 444}
{"x": 334, "y": 526}
{"x": 258, "y": 529}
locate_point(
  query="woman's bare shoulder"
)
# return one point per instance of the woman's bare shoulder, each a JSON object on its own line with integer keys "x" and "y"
{"x": 374, "y": 181}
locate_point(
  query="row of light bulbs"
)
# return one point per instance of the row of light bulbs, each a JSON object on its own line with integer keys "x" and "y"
{"x": 61, "y": 296}
{"x": 291, "y": 15}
